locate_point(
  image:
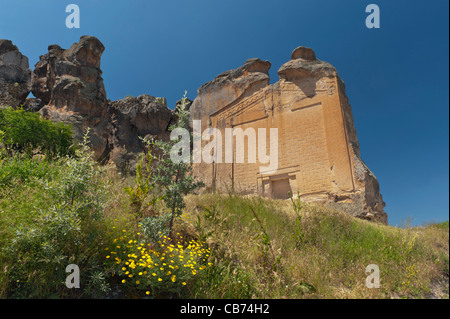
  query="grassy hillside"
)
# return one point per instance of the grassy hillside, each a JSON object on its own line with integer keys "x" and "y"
{"x": 325, "y": 255}
{"x": 58, "y": 210}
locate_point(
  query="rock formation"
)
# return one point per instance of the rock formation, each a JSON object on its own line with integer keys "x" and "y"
{"x": 33, "y": 105}
{"x": 318, "y": 149}
{"x": 135, "y": 118}
{"x": 68, "y": 86}
{"x": 15, "y": 75}
{"x": 72, "y": 78}
{"x": 317, "y": 143}
{"x": 230, "y": 86}
{"x": 69, "y": 83}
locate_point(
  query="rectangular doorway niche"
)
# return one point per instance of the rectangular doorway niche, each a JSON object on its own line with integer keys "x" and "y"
{"x": 280, "y": 188}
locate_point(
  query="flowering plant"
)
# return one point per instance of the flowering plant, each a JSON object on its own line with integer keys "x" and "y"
{"x": 156, "y": 269}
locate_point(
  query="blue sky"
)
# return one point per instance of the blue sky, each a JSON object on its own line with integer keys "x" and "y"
{"x": 396, "y": 77}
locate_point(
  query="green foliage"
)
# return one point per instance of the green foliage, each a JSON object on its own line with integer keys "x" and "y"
{"x": 334, "y": 253}
{"x": 225, "y": 280}
{"x": 155, "y": 227}
{"x": 39, "y": 254}
{"x": 81, "y": 186}
{"x": 443, "y": 225}
{"x": 143, "y": 183}
{"x": 59, "y": 210}
{"x": 59, "y": 223}
{"x": 2, "y": 148}
{"x": 52, "y": 213}
{"x": 265, "y": 240}
{"x": 244, "y": 233}
{"x": 174, "y": 178}
{"x": 22, "y": 169}
{"x": 27, "y": 132}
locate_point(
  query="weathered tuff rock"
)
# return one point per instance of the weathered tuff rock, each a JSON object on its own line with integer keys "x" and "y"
{"x": 72, "y": 78}
{"x": 33, "y": 104}
{"x": 68, "y": 86}
{"x": 230, "y": 86}
{"x": 134, "y": 118}
{"x": 69, "y": 83}
{"x": 303, "y": 53}
{"x": 318, "y": 149}
{"x": 15, "y": 75}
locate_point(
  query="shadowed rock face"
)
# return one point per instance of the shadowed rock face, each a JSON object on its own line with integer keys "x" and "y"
{"x": 139, "y": 117}
{"x": 15, "y": 75}
{"x": 134, "y": 118}
{"x": 70, "y": 86}
{"x": 72, "y": 78}
{"x": 318, "y": 147}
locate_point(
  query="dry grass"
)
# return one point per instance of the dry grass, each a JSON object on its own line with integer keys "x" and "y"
{"x": 329, "y": 263}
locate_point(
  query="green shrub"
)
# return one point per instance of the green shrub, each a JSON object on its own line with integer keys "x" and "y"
{"x": 19, "y": 169}
{"x": 154, "y": 227}
{"x": 40, "y": 254}
{"x": 66, "y": 227}
{"x": 27, "y": 132}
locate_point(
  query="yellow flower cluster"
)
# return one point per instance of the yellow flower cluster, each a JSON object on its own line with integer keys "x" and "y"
{"x": 169, "y": 262}
{"x": 411, "y": 273}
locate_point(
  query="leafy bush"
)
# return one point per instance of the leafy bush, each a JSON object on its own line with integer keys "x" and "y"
{"x": 80, "y": 185}
{"x": 22, "y": 169}
{"x": 40, "y": 254}
{"x": 26, "y": 131}
{"x": 154, "y": 227}
{"x": 68, "y": 229}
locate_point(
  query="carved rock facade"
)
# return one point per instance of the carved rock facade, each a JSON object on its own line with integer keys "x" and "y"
{"x": 318, "y": 149}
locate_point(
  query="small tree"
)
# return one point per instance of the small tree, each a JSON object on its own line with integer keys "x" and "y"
{"x": 175, "y": 177}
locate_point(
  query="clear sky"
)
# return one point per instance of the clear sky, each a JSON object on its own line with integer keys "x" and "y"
{"x": 397, "y": 77}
